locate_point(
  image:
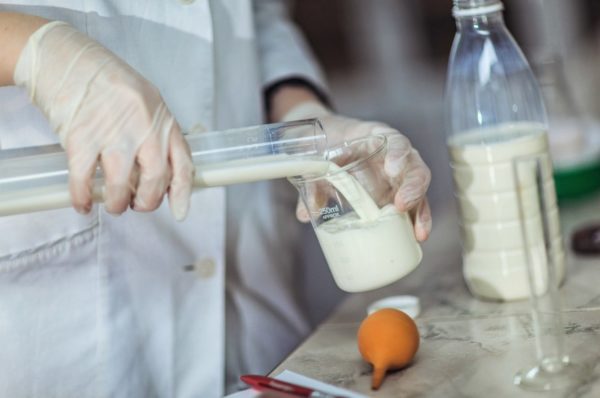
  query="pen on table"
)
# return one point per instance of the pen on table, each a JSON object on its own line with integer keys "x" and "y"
{"x": 268, "y": 384}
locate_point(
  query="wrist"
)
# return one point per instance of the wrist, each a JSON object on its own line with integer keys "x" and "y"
{"x": 16, "y": 30}
{"x": 287, "y": 95}
{"x": 306, "y": 110}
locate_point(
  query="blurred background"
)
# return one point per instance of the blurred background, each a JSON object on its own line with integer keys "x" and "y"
{"x": 386, "y": 60}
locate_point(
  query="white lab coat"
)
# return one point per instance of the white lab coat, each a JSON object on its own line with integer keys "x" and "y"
{"x": 134, "y": 306}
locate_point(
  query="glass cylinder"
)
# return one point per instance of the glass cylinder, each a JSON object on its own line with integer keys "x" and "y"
{"x": 37, "y": 178}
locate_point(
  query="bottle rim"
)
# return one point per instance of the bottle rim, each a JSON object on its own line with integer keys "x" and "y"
{"x": 469, "y": 12}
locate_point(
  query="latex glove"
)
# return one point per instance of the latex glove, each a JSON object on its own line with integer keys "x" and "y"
{"x": 105, "y": 111}
{"x": 403, "y": 166}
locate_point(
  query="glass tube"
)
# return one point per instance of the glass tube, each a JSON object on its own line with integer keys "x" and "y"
{"x": 553, "y": 369}
{"x": 37, "y": 178}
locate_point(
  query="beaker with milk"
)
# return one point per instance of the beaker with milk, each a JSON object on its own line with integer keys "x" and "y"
{"x": 495, "y": 113}
{"x": 367, "y": 242}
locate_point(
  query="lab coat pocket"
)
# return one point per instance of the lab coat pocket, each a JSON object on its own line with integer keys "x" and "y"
{"x": 37, "y": 238}
{"x": 50, "y": 319}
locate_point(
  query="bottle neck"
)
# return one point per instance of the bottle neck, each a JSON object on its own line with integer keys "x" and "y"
{"x": 480, "y": 22}
{"x": 477, "y": 14}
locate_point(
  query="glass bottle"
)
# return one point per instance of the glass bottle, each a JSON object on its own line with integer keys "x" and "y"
{"x": 495, "y": 114}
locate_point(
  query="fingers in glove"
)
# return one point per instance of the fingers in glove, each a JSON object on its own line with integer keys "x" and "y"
{"x": 397, "y": 156}
{"x": 414, "y": 184}
{"x": 353, "y": 129}
{"x": 82, "y": 168}
{"x": 422, "y": 221}
{"x": 117, "y": 166}
{"x": 155, "y": 174}
{"x": 183, "y": 171}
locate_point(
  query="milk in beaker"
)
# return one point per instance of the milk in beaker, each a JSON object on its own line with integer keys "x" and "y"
{"x": 369, "y": 247}
{"x": 367, "y": 254}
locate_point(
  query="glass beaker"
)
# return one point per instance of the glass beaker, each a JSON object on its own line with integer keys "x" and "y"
{"x": 367, "y": 242}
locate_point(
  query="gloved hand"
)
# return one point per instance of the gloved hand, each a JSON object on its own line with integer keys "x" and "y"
{"x": 105, "y": 111}
{"x": 403, "y": 165}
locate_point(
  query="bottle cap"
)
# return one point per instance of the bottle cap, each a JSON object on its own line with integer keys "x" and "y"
{"x": 407, "y": 304}
{"x": 469, "y": 12}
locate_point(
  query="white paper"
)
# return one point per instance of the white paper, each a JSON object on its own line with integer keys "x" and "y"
{"x": 243, "y": 394}
{"x": 304, "y": 381}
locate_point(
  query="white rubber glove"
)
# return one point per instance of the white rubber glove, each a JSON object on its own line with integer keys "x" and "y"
{"x": 403, "y": 165}
{"x": 105, "y": 111}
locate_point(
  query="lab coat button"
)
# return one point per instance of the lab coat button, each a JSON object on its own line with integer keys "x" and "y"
{"x": 186, "y": 2}
{"x": 205, "y": 268}
{"x": 197, "y": 128}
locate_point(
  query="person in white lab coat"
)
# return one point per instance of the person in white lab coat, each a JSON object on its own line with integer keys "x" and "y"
{"x": 93, "y": 305}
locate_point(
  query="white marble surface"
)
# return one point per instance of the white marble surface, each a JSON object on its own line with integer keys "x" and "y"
{"x": 469, "y": 348}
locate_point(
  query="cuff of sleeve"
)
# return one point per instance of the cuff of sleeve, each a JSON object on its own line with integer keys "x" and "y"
{"x": 28, "y": 63}
{"x": 297, "y": 82}
{"x": 306, "y": 110}
{"x": 304, "y": 70}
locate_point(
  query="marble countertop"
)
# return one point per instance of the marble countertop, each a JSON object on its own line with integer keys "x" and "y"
{"x": 469, "y": 348}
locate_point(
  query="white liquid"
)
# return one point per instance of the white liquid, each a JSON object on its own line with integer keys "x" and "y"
{"x": 32, "y": 198}
{"x": 256, "y": 169}
{"x": 370, "y": 247}
{"x": 495, "y": 261}
{"x": 365, "y": 255}
{"x": 355, "y": 194}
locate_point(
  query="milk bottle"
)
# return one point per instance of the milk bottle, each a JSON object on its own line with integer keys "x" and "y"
{"x": 495, "y": 115}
